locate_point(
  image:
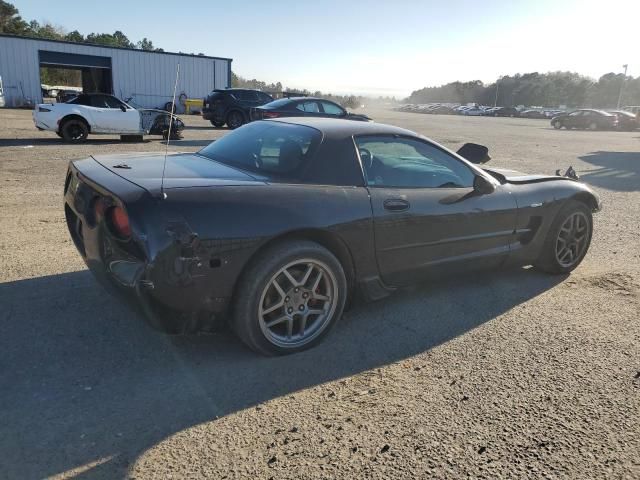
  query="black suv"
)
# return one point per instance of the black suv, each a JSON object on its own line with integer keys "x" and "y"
{"x": 232, "y": 106}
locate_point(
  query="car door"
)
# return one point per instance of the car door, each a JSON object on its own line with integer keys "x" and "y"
{"x": 332, "y": 110}
{"x": 112, "y": 116}
{"x": 575, "y": 119}
{"x": 428, "y": 218}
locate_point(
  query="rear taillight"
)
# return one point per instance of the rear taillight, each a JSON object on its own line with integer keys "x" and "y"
{"x": 119, "y": 222}
{"x": 270, "y": 114}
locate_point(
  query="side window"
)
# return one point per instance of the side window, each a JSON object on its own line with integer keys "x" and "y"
{"x": 250, "y": 96}
{"x": 332, "y": 109}
{"x": 310, "y": 107}
{"x": 576, "y": 114}
{"x": 391, "y": 161}
{"x": 99, "y": 101}
{"x": 264, "y": 97}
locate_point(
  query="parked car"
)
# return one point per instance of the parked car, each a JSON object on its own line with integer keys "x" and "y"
{"x": 532, "y": 114}
{"x": 442, "y": 110}
{"x": 626, "y": 120}
{"x": 504, "y": 112}
{"x": 304, "y": 107}
{"x": 232, "y": 106}
{"x": 276, "y": 225}
{"x": 586, "y": 118}
{"x": 473, "y": 111}
{"x": 99, "y": 113}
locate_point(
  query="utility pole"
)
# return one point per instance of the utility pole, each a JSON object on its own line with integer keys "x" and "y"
{"x": 622, "y": 85}
{"x": 495, "y": 103}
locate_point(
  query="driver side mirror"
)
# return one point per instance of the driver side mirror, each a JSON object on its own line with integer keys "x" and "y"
{"x": 123, "y": 108}
{"x": 483, "y": 186}
{"x": 474, "y": 153}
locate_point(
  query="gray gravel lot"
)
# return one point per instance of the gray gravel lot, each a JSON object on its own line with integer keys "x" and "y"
{"x": 506, "y": 374}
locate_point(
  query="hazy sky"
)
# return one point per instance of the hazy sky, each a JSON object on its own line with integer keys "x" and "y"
{"x": 374, "y": 47}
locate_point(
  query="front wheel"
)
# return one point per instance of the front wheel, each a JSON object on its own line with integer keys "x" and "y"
{"x": 568, "y": 239}
{"x": 74, "y": 131}
{"x": 217, "y": 123}
{"x": 557, "y": 125}
{"x": 593, "y": 126}
{"x": 290, "y": 298}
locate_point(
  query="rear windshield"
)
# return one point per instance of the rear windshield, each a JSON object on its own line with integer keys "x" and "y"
{"x": 282, "y": 102}
{"x": 273, "y": 149}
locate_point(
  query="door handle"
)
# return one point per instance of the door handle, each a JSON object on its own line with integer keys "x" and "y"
{"x": 396, "y": 204}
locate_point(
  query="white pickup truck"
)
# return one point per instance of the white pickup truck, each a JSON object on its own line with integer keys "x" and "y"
{"x": 98, "y": 113}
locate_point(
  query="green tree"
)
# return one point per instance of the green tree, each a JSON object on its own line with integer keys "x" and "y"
{"x": 10, "y": 21}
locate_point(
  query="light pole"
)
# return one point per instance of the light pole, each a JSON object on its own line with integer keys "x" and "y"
{"x": 622, "y": 85}
{"x": 495, "y": 103}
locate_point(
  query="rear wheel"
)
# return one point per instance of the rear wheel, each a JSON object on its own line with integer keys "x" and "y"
{"x": 557, "y": 125}
{"x": 217, "y": 123}
{"x": 568, "y": 239}
{"x": 74, "y": 130}
{"x": 289, "y": 299}
{"x": 235, "y": 119}
{"x": 593, "y": 126}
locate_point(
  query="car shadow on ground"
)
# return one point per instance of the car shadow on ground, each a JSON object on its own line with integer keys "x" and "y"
{"x": 88, "y": 386}
{"x": 618, "y": 171}
{"x": 37, "y": 142}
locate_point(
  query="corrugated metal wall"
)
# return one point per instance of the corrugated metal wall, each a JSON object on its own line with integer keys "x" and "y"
{"x": 146, "y": 76}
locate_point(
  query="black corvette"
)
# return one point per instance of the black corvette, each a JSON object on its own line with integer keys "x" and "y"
{"x": 278, "y": 224}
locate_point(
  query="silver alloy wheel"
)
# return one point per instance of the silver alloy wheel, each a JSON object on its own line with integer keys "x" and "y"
{"x": 298, "y": 303}
{"x": 572, "y": 239}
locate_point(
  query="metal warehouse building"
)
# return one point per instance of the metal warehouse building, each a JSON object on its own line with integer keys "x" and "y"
{"x": 148, "y": 77}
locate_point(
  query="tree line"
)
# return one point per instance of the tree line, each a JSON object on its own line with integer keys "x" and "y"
{"x": 537, "y": 89}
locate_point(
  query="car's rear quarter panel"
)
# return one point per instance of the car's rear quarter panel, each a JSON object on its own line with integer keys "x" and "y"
{"x": 232, "y": 224}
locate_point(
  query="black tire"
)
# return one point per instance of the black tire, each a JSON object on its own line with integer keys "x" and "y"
{"x": 548, "y": 261}
{"x": 217, "y": 124}
{"x": 257, "y": 282}
{"x": 235, "y": 119}
{"x": 557, "y": 125}
{"x": 74, "y": 130}
{"x": 59, "y": 134}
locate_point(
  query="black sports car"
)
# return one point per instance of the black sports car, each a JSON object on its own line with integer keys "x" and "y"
{"x": 304, "y": 107}
{"x": 279, "y": 223}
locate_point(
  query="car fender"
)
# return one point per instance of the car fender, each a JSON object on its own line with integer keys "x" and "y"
{"x": 539, "y": 202}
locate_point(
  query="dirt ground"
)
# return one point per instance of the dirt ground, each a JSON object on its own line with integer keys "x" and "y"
{"x": 510, "y": 374}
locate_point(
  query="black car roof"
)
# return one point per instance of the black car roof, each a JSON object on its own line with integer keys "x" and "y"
{"x": 340, "y": 128}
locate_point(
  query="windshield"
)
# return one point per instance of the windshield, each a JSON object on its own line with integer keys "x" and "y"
{"x": 273, "y": 149}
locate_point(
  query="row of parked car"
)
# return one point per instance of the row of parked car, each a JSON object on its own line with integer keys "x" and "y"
{"x": 593, "y": 119}
{"x": 476, "y": 110}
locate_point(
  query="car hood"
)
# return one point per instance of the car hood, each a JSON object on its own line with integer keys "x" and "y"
{"x": 182, "y": 170}
{"x": 513, "y": 176}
